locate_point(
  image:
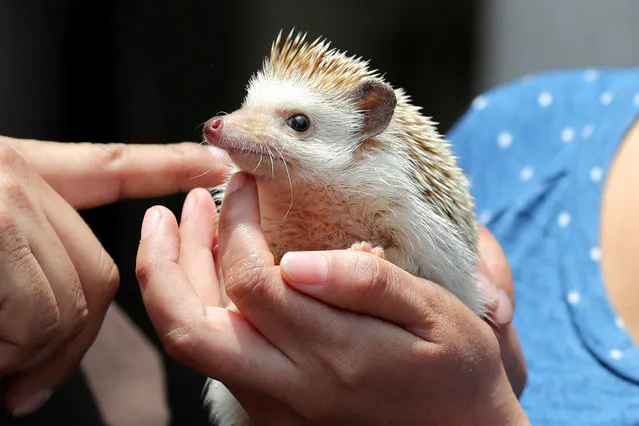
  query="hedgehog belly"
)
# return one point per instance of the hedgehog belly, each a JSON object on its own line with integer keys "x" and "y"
{"x": 320, "y": 218}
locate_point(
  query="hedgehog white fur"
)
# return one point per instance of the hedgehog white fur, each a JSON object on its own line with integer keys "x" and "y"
{"x": 360, "y": 165}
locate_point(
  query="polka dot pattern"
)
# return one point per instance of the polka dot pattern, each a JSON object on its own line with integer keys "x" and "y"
{"x": 606, "y": 98}
{"x": 573, "y": 297}
{"x": 505, "y": 139}
{"x": 567, "y": 134}
{"x": 544, "y": 99}
{"x": 538, "y": 151}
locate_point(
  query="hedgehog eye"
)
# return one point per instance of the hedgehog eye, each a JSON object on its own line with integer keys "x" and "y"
{"x": 299, "y": 122}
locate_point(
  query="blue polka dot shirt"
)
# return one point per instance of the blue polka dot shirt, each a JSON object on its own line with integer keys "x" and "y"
{"x": 537, "y": 152}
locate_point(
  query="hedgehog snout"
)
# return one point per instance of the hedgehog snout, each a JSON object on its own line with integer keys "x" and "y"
{"x": 213, "y": 126}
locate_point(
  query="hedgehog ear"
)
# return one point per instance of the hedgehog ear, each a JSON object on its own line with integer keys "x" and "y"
{"x": 376, "y": 101}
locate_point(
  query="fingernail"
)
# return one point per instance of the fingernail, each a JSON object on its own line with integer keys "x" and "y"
{"x": 504, "y": 313}
{"x": 237, "y": 182}
{"x": 189, "y": 205}
{"x": 305, "y": 267}
{"x": 150, "y": 222}
{"x": 32, "y": 403}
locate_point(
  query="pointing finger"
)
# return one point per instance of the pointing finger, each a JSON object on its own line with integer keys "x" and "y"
{"x": 91, "y": 174}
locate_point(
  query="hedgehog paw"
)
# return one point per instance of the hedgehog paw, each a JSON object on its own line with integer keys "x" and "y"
{"x": 368, "y": 248}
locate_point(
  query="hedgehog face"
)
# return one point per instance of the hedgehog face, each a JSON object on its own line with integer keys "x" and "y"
{"x": 284, "y": 128}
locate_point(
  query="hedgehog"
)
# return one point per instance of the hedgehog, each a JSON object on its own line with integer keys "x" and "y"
{"x": 344, "y": 160}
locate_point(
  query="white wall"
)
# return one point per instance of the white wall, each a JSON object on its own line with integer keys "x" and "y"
{"x": 517, "y": 37}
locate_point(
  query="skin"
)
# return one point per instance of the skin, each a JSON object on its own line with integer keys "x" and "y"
{"x": 57, "y": 280}
{"x": 620, "y": 232}
{"x": 333, "y": 337}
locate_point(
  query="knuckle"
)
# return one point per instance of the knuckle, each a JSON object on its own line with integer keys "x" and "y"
{"x": 179, "y": 342}
{"x": 16, "y": 193}
{"x": 371, "y": 276}
{"x": 350, "y": 375}
{"x": 110, "y": 155}
{"x": 14, "y": 243}
{"x": 246, "y": 277}
{"x": 79, "y": 316}
{"x": 110, "y": 274}
{"x": 9, "y": 157}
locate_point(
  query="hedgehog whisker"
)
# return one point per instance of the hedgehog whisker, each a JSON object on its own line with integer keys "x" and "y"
{"x": 201, "y": 174}
{"x": 290, "y": 182}
{"x": 270, "y": 154}
{"x": 259, "y": 163}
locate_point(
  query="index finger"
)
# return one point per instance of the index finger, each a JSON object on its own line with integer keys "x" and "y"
{"x": 91, "y": 174}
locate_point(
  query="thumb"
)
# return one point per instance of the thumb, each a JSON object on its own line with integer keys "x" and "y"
{"x": 365, "y": 284}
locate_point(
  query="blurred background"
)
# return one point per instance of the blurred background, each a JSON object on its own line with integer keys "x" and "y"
{"x": 153, "y": 71}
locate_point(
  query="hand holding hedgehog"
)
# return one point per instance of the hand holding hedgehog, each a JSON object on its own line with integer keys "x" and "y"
{"x": 290, "y": 358}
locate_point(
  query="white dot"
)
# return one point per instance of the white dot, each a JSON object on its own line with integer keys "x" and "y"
{"x": 620, "y": 323}
{"x": 606, "y": 98}
{"x": 587, "y": 131}
{"x": 544, "y": 99}
{"x": 595, "y": 254}
{"x": 563, "y": 219}
{"x": 615, "y": 354}
{"x": 480, "y": 102}
{"x": 574, "y": 297}
{"x": 504, "y": 140}
{"x": 526, "y": 173}
{"x": 635, "y": 99}
{"x": 591, "y": 75}
{"x": 469, "y": 183}
{"x": 485, "y": 217}
{"x": 567, "y": 134}
{"x": 596, "y": 173}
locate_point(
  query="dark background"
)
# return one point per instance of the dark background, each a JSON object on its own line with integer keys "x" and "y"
{"x": 153, "y": 71}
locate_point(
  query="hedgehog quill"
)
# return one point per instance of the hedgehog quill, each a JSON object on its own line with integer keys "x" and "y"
{"x": 342, "y": 159}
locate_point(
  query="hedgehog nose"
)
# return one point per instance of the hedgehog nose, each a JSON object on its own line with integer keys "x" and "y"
{"x": 213, "y": 125}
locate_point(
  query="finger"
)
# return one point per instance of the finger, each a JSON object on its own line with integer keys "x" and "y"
{"x": 31, "y": 250}
{"x": 365, "y": 284}
{"x": 99, "y": 279}
{"x": 495, "y": 268}
{"x": 88, "y": 175}
{"x": 255, "y": 286}
{"x": 494, "y": 264}
{"x": 495, "y": 282}
{"x": 245, "y": 257}
{"x": 198, "y": 230}
{"x": 29, "y": 312}
{"x": 211, "y": 340}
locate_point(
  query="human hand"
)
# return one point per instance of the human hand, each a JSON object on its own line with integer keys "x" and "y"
{"x": 57, "y": 279}
{"x": 496, "y": 285}
{"x": 387, "y": 348}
